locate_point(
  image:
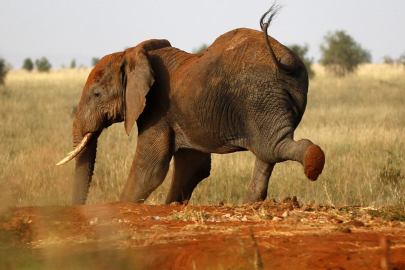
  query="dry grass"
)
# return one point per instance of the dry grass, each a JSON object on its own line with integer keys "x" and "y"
{"x": 358, "y": 120}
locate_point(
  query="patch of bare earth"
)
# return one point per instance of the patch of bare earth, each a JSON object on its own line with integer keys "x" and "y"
{"x": 266, "y": 235}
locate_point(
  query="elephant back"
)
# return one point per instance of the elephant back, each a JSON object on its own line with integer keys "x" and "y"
{"x": 250, "y": 47}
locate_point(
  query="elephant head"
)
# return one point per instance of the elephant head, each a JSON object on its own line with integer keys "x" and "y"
{"x": 114, "y": 92}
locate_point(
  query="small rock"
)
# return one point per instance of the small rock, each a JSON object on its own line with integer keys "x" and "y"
{"x": 308, "y": 208}
{"x": 185, "y": 202}
{"x": 279, "y": 213}
{"x": 354, "y": 223}
{"x": 159, "y": 227}
{"x": 291, "y": 201}
{"x": 345, "y": 230}
{"x": 394, "y": 224}
{"x": 156, "y": 218}
{"x": 175, "y": 204}
{"x": 337, "y": 221}
{"x": 213, "y": 219}
{"x": 277, "y": 219}
{"x": 288, "y": 206}
{"x": 244, "y": 218}
{"x": 194, "y": 227}
{"x": 94, "y": 221}
{"x": 271, "y": 201}
{"x": 120, "y": 220}
{"x": 285, "y": 214}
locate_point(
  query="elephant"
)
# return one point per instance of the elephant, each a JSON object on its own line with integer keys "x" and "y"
{"x": 245, "y": 92}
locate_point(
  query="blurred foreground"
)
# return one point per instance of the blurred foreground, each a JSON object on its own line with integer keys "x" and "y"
{"x": 267, "y": 235}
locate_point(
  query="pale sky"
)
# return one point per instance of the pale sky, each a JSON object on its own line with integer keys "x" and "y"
{"x": 72, "y": 29}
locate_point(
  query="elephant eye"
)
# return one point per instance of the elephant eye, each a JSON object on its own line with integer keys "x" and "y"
{"x": 96, "y": 94}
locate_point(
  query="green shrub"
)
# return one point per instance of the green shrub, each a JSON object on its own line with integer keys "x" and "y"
{"x": 388, "y": 60}
{"x": 94, "y": 61}
{"x": 401, "y": 59}
{"x": 73, "y": 64}
{"x": 3, "y": 70}
{"x": 302, "y": 51}
{"x": 200, "y": 49}
{"x": 28, "y": 64}
{"x": 341, "y": 54}
{"x": 43, "y": 64}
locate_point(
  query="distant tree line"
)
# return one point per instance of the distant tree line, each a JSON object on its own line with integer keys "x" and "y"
{"x": 389, "y": 60}
{"x": 340, "y": 54}
{"x": 200, "y": 49}
{"x": 42, "y": 64}
{"x": 3, "y": 70}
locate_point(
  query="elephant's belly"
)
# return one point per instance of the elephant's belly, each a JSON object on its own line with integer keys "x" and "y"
{"x": 206, "y": 144}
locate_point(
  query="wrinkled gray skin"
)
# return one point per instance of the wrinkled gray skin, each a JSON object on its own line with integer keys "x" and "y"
{"x": 231, "y": 97}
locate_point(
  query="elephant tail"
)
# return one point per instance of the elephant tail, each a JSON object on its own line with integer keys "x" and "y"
{"x": 274, "y": 9}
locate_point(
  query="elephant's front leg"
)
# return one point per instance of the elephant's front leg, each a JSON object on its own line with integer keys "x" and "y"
{"x": 190, "y": 167}
{"x": 257, "y": 190}
{"x": 151, "y": 163}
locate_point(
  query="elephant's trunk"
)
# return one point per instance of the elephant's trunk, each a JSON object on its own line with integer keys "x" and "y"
{"x": 84, "y": 169}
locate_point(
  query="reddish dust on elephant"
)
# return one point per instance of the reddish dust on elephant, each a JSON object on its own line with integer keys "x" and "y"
{"x": 264, "y": 235}
{"x": 245, "y": 92}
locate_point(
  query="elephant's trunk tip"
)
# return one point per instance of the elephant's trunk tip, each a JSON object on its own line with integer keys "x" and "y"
{"x": 77, "y": 150}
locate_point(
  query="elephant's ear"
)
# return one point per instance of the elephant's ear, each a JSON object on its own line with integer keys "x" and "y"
{"x": 139, "y": 79}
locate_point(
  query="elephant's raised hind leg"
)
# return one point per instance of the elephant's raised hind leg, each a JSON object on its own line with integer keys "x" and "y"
{"x": 304, "y": 151}
{"x": 190, "y": 167}
{"x": 257, "y": 190}
{"x": 151, "y": 163}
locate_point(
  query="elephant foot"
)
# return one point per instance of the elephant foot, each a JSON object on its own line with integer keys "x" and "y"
{"x": 314, "y": 162}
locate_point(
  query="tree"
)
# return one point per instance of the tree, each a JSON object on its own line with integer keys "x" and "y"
{"x": 388, "y": 60}
{"x": 43, "y": 64}
{"x": 73, "y": 64}
{"x": 401, "y": 59}
{"x": 302, "y": 53}
{"x": 94, "y": 61}
{"x": 3, "y": 70}
{"x": 341, "y": 54}
{"x": 200, "y": 49}
{"x": 28, "y": 64}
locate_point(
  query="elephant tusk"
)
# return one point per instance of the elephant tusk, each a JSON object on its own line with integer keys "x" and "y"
{"x": 77, "y": 150}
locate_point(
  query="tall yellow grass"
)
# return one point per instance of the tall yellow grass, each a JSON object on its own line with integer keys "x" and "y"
{"x": 358, "y": 120}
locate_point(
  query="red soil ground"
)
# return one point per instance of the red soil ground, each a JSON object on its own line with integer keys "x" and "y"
{"x": 265, "y": 235}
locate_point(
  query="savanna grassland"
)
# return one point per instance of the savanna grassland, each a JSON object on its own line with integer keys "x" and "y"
{"x": 358, "y": 120}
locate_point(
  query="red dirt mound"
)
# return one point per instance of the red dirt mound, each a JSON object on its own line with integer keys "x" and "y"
{"x": 265, "y": 235}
